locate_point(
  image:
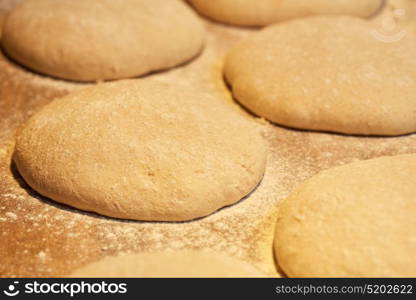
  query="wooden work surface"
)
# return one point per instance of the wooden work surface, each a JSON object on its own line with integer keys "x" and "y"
{"x": 39, "y": 237}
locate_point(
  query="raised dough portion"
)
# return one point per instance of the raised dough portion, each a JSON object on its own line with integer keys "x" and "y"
{"x": 169, "y": 264}
{"x": 357, "y": 220}
{"x": 327, "y": 73}
{"x": 90, "y": 40}
{"x": 141, "y": 149}
{"x": 264, "y": 12}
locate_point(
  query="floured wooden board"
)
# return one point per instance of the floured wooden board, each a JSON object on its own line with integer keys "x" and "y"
{"x": 39, "y": 237}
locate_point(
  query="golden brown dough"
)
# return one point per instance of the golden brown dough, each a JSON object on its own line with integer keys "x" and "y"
{"x": 141, "y": 149}
{"x": 356, "y": 220}
{"x": 169, "y": 264}
{"x": 264, "y": 12}
{"x": 90, "y": 40}
{"x": 329, "y": 74}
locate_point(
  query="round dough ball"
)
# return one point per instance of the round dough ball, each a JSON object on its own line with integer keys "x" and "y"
{"x": 357, "y": 220}
{"x": 141, "y": 149}
{"x": 90, "y": 40}
{"x": 169, "y": 264}
{"x": 264, "y": 12}
{"x": 327, "y": 73}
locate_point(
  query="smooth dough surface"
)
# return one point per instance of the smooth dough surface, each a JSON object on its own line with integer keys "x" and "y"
{"x": 356, "y": 220}
{"x": 141, "y": 149}
{"x": 169, "y": 264}
{"x": 264, "y": 12}
{"x": 327, "y": 73}
{"x": 90, "y": 40}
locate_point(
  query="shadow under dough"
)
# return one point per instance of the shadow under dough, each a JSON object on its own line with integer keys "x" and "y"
{"x": 16, "y": 64}
{"x": 22, "y": 183}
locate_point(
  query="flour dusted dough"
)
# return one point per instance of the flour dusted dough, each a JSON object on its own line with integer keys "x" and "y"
{"x": 356, "y": 220}
{"x": 327, "y": 73}
{"x": 141, "y": 149}
{"x": 89, "y": 40}
{"x": 169, "y": 264}
{"x": 264, "y": 12}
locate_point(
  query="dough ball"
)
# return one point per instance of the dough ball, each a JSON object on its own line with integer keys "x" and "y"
{"x": 169, "y": 264}
{"x": 327, "y": 73}
{"x": 264, "y": 12}
{"x": 357, "y": 220}
{"x": 141, "y": 149}
{"x": 90, "y": 40}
